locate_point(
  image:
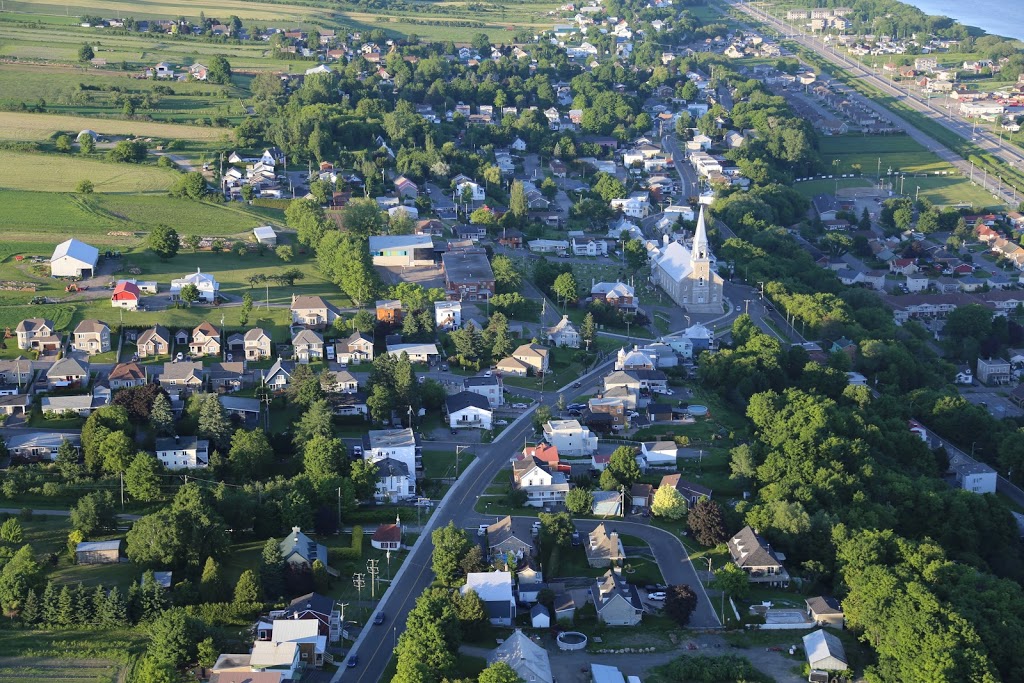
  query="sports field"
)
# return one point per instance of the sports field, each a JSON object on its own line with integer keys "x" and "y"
{"x": 26, "y": 126}
{"x": 61, "y": 173}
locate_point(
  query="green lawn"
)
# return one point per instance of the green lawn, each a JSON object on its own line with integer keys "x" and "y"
{"x": 812, "y": 188}
{"x": 61, "y": 173}
{"x": 439, "y": 464}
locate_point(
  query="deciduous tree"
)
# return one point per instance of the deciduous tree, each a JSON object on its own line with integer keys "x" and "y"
{"x": 450, "y": 544}
{"x": 705, "y": 521}
{"x": 668, "y": 503}
{"x": 680, "y": 602}
{"x": 163, "y": 241}
{"x": 142, "y": 479}
{"x": 579, "y": 501}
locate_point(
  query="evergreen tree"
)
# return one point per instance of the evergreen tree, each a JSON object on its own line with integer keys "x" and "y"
{"x": 65, "y": 613}
{"x": 133, "y": 603}
{"x": 85, "y": 613}
{"x": 213, "y": 422}
{"x": 67, "y": 461}
{"x": 48, "y": 604}
{"x": 517, "y": 203}
{"x": 113, "y": 612}
{"x": 272, "y": 570}
{"x": 10, "y": 532}
{"x": 588, "y": 330}
{"x": 141, "y": 479}
{"x": 30, "y": 609}
{"x": 152, "y": 598}
{"x": 212, "y": 586}
{"x": 320, "y": 579}
{"x": 160, "y": 416}
{"x": 247, "y": 590}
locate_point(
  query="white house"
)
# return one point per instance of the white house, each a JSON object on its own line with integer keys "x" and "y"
{"x": 476, "y": 193}
{"x": 570, "y": 437}
{"x": 394, "y": 481}
{"x": 495, "y": 590}
{"x": 541, "y": 486}
{"x": 183, "y": 452}
{"x": 418, "y": 353}
{"x": 635, "y": 206}
{"x": 72, "y": 258}
{"x": 448, "y": 314}
{"x": 825, "y": 651}
{"x": 973, "y": 476}
{"x": 468, "y": 409}
{"x": 659, "y": 453}
{"x": 564, "y": 334}
{"x": 206, "y": 284}
{"x": 397, "y": 444}
{"x": 488, "y": 387}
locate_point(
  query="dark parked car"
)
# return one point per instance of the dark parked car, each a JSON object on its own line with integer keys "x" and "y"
{"x": 379, "y": 619}
{"x": 353, "y": 662}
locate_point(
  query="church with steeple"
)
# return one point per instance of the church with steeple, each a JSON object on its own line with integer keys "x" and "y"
{"x": 687, "y": 274}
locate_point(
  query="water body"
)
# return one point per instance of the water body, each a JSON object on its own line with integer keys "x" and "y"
{"x": 994, "y": 16}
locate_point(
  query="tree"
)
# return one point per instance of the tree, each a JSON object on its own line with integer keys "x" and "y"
{"x": 285, "y": 253}
{"x": 588, "y": 330}
{"x": 181, "y": 535}
{"x": 315, "y": 421}
{"x": 172, "y": 638}
{"x": 189, "y": 294}
{"x": 163, "y": 241}
{"x": 21, "y": 574}
{"x": 902, "y": 217}
{"x": 579, "y": 501}
{"x": 362, "y": 218}
{"x": 85, "y": 187}
{"x": 622, "y": 465}
{"x": 85, "y": 53}
{"x": 67, "y": 461}
{"x": 86, "y": 145}
{"x": 517, "y": 202}
{"x": 565, "y": 287}
{"x": 541, "y": 416}
{"x": 450, "y": 544}
{"x": 115, "y": 452}
{"x": 93, "y": 512}
{"x": 161, "y": 418}
{"x": 272, "y": 570}
{"x": 250, "y": 454}
{"x": 219, "y": 70}
{"x": 732, "y": 581}
{"x": 213, "y": 422}
{"x": 128, "y": 152}
{"x": 207, "y": 651}
{"x": 482, "y": 216}
{"x": 557, "y": 528}
{"x": 190, "y": 185}
{"x": 506, "y": 277}
{"x": 212, "y": 586}
{"x": 11, "y": 532}
{"x": 309, "y": 221}
{"x": 680, "y": 602}
{"x": 141, "y": 479}
{"x": 153, "y": 670}
{"x": 193, "y": 242}
{"x": 248, "y": 193}
{"x": 705, "y": 521}
{"x": 608, "y": 187}
{"x": 320, "y": 580}
{"x": 607, "y": 481}
{"x": 668, "y": 503}
{"x": 636, "y": 254}
{"x": 499, "y": 672}
{"x": 323, "y": 458}
{"x": 364, "y": 478}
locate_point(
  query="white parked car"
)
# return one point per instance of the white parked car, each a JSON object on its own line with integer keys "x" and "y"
{"x": 657, "y": 597}
{"x": 519, "y": 405}
{"x": 501, "y": 422}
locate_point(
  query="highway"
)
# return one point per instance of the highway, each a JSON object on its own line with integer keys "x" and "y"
{"x": 980, "y": 137}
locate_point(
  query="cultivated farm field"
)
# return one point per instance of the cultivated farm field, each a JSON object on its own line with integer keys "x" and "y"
{"x": 24, "y": 126}
{"x": 61, "y": 173}
{"x": 52, "y": 670}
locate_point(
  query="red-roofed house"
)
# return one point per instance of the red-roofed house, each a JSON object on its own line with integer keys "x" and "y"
{"x": 986, "y": 234}
{"x": 388, "y": 536}
{"x": 543, "y": 452}
{"x": 126, "y": 295}
{"x": 599, "y": 462}
{"x": 904, "y": 266}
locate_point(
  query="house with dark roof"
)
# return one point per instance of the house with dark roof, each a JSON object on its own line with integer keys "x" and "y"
{"x": 754, "y": 555}
{"x": 468, "y": 409}
{"x": 299, "y": 550}
{"x": 603, "y": 547}
{"x": 355, "y": 349}
{"x": 322, "y": 608}
{"x": 825, "y": 610}
{"x": 154, "y": 342}
{"x": 617, "y": 602}
{"x": 690, "y": 491}
{"x": 510, "y": 536}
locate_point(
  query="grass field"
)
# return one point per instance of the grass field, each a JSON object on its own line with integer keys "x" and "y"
{"x": 24, "y": 126}
{"x": 246, "y": 11}
{"x": 812, "y": 188}
{"x": 61, "y": 173}
{"x": 41, "y": 670}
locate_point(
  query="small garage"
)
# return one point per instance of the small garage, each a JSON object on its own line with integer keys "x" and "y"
{"x": 99, "y": 552}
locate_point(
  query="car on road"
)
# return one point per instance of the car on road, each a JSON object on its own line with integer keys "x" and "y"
{"x": 501, "y": 422}
{"x": 482, "y": 530}
{"x": 633, "y": 414}
{"x": 455, "y": 431}
{"x": 576, "y": 406}
{"x": 379, "y": 619}
{"x": 657, "y": 597}
{"x": 444, "y": 368}
{"x": 577, "y": 385}
{"x": 353, "y": 661}
{"x": 231, "y": 357}
{"x": 519, "y": 405}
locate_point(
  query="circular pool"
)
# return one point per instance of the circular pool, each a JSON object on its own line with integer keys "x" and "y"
{"x": 698, "y": 411}
{"x": 571, "y": 640}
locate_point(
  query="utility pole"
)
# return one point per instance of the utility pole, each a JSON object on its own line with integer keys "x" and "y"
{"x": 339, "y": 509}
{"x": 373, "y": 570}
{"x": 121, "y": 477}
{"x": 359, "y": 581}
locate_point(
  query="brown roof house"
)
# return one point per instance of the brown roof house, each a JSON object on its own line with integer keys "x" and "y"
{"x": 355, "y": 349}
{"x": 617, "y": 602}
{"x": 534, "y": 355}
{"x": 603, "y": 548}
{"x": 690, "y": 491}
{"x": 127, "y": 375}
{"x": 307, "y": 346}
{"x": 92, "y": 337}
{"x": 205, "y": 340}
{"x": 512, "y": 366}
{"x": 754, "y": 555}
{"x": 825, "y": 611}
{"x": 388, "y": 536}
{"x": 257, "y": 344}
{"x": 155, "y": 341}
{"x": 37, "y": 334}
{"x": 68, "y": 372}
{"x": 313, "y": 311}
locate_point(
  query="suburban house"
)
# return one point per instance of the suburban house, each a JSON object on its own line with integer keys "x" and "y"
{"x": 80, "y": 404}
{"x": 307, "y": 346}
{"x": 418, "y": 353}
{"x": 533, "y": 355}
{"x": 528, "y": 659}
{"x": 257, "y": 344}
{"x": 92, "y": 337}
{"x": 183, "y": 452}
{"x": 305, "y": 633}
{"x": 488, "y": 387}
{"x": 511, "y": 366}
{"x": 825, "y": 652}
{"x": 299, "y": 550}
{"x": 388, "y": 536}
{"x": 617, "y": 602}
{"x": 405, "y": 188}
{"x": 68, "y": 372}
{"x": 615, "y": 294}
{"x": 543, "y": 485}
{"x": 754, "y": 555}
{"x": 510, "y": 537}
{"x": 641, "y": 496}
{"x": 971, "y": 475}
{"x": 603, "y": 548}
{"x": 187, "y": 376}
{"x": 824, "y": 610}
{"x": 395, "y": 481}
{"x": 205, "y": 340}
{"x": 155, "y": 341}
{"x": 274, "y": 656}
{"x": 313, "y": 311}
{"x": 993, "y": 371}
{"x": 339, "y": 381}
{"x": 402, "y": 251}
{"x": 495, "y": 590}
{"x": 229, "y": 376}
{"x": 17, "y": 371}
{"x": 659, "y": 453}
{"x": 467, "y": 276}
{"x": 570, "y": 437}
{"x": 398, "y": 444}
{"x": 72, "y": 258}
{"x": 564, "y": 333}
{"x": 468, "y": 409}
{"x": 279, "y": 375}
{"x": 355, "y": 349}
{"x": 389, "y": 311}
{"x": 690, "y": 491}
{"x": 126, "y": 295}
{"x": 99, "y": 552}
{"x": 37, "y": 334}
{"x": 39, "y": 446}
{"x": 310, "y": 607}
{"x": 206, "y": 284}
{"x": 448, "y": 314}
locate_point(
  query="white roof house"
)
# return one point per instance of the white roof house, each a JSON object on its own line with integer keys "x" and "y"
{"x": 448, "y": 314}
{"x": 529, "y": 660}
{"x": 72, "y": 258}
{"x": 495, "y": 590}
{"x": 825, "y": 651}
{"x": 206, "y": 284}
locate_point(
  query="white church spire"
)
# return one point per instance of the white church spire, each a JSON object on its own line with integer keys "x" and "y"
{"x": 700, "y": 240}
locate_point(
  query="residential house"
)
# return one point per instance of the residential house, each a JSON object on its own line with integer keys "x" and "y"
{"x": 468, "y": 409}
{"x": 688, "y": 490}
{"x": 395, "y": 481}
{"x": 402, "y": 251}
{"x": 564, "y": 334}
{"x": 825, "y": 652}
{"x": 529, "y": 660}
{"x": 355, "y": 349}
{"x": 641, "y": 496}
{"x": 613, "y": 412}
{"x": 307, "y": 346}
{"x": 339, "y": 381}
{"x": 80, "y": 404}
{"x": 589, "y": 246}
{"x": 155, "y": 341}
{"x": 603, "y": 548}
{"x": 278, "y": 377}
{"x": 205, "y": 340}
{"x": 488, "y": 387}
{"x": 511, "y": 366}
{"x": 269, "y": 655}
{"x": 227, "y": 377}
{"x": 659, "y": 453}
{"x": 615, "y": 294}
{"x": 824, "y": 610}
{"x": 126, "y": 295}
{"x": 405, "y": 188}
{"x": 209, "y": 288}
{"x": 388, "y": 536}
{"x": 543, "y": 485}
{"x": 993, "y": 371}
{"x": 17, "y": 371}
{"x": 247, "y": 409}
{"x": 37, "y": 334}
{"x": 92, "y": 337}
{"x": 570, "y": 437}
{"x": 533, "y": 355}
{"x": 617, "y": 602}
{"x": 68, "y": 372}
{"x": 510, "y": 536}
{"x": 183, "y": 452}
{"x": 305, "y": 633}
{"x": 398, "y": 444}
{"x": 74, "y": 259}
{"x": 467, "y": 276}
{"x": 635, "y": 359}
{"x": 313, "y": 312}
{"x": 39, "y": 446}
{"x": 389, "y": 311}
{"x": 754, "y": 555}
{"x": 418, "y": 353}
{"x": 448, "y": 314}
{"x": 495, "y": 590}
{"x": 971, "y": 475}
{"x": 299, "y": 550}
{"x": 99, "y": 552}
{"x": 257, "y": 344}
{"x": 183, "y": 377}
